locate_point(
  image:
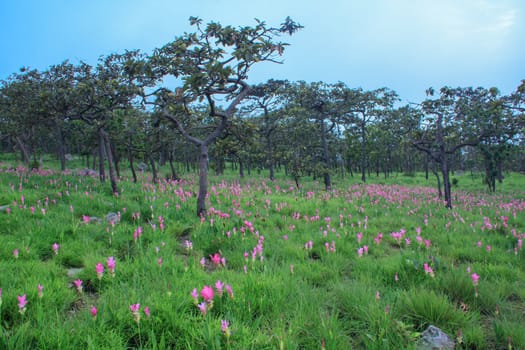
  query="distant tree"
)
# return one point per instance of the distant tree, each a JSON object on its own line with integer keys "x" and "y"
{"x": 213, "y": 65}
{"x": 450, "y": 124}
{"x": 362, "y": 108}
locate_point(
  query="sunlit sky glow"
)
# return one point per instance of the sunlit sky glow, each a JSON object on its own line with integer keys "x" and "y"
{"x": 406, "y": 45}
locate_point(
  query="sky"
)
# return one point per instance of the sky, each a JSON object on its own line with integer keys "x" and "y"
{"x": 405, "y": 45}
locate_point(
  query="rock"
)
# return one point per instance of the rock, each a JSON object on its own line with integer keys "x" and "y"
{"x": 4, "y": 207}
{"x": 142, "y": 166}
{"x": 94, "y": 220}
{"x": 87, "y": 172}
{"x": 112, "y": 218}
{"x": 434, "y": 338}
{"x": 74, "y": 271}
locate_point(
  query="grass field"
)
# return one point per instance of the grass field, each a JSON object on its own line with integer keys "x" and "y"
{"x": 271, "y": 267}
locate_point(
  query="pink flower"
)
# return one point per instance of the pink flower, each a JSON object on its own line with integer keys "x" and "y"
{"x": 93, "y": 311}
{"x": 100, "y": 270}
{"x": 135, "y": 308}
{"x": 22, "y": 302}
{"x": 15, "y": 253}
{"x": 428, "y": 270}
{"x": 40, "y": 290}
{"x": 203, "y": 262}
{"x": 489, "y": 248}
{"x": 203, "y": 308}
{"x": 78, "y": 285}
{"x": 475, "y": 279}
{"x": 378, "y": 296}
{"x": 207, "y": 294}
{"x": 229, "y": 290}
{"x": 147, "y": 312}
{"x": 110, "y": 262}
{"x": 216, "y": 259}
{"x": 225, "y": 328}
{"x": 55, "y": 247}
{"x": 360, "y": 252}
{"x": 219, "y": 286}
{"x": 159, "y": 261}
{"x": 195, "y": 295}
{"x": 359, "y": 236}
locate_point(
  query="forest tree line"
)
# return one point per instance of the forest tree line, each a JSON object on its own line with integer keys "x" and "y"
{"x": 189, "y": 104}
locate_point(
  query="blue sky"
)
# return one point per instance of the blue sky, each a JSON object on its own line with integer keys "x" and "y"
{"x": 406, "y": 45}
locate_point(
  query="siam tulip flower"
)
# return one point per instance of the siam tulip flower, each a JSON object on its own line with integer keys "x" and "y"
{"x": 40, "y": 290}
{"x": 219, "y": 286}
{"x": 55, "y": 248}
{"x": 85, "y": 219}
{"x": 159, "y": 261}
{"x": 291, "y": 268}
{"x": 78, "y": 285}
{"x": 225, "y": 328}
{"x": 135, "y": 310}
{"x": 489, "y": 248}
{"x": 203, "y": 262}
{"x": 195, "y": 296}
{"x": 110, "y": 262}
{"x": 147, "y": 312}
{"x": 427, "y": 243}
{"x": 428, "y": 270}
{"x": 22, "y": 302}
{"x": 43, "y": 210}
{"x": 32, "y": 210}
{"x": 216, "y": 259}
{"x": 203, "y": 308}
{"x": 479, "y": 244}
{"x": 188, "y": 244}
{"x": 365, "y": 249}
{"x": 207, "y": 294}
{"x": 396, "y": 277}
{"x": 229, "y": 290}
{"x": 360, "y": 252}
{"x": 15, "y": 253}
{"x": 475, "y": 279}
{"x": 8, "y": 210}
{"x": 100, "y": 270}
{"x": 93, "y": 310}
{"x": 378, "y": 295}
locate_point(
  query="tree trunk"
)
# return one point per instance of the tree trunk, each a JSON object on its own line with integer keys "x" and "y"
{"x": 23, "y": 150}
{"x": 61, "y": 148}
{"x": 326, "y": 159}
{"x": 363, "y": 152}
{"x": 241, "y": 168}
{"x": 203, "y": 180}
{"x": 440, "y": 194}
{"x": 153, "y": 168}
{"x": 130, "y": 159}
{"x": 109, "y": 154}
{"x": 446, "y": 182}
{"x": 174, "y": 175}
{"x": 101, "y": 155}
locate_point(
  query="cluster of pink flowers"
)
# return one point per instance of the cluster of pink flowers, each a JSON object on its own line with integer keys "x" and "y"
{"x": 330, "y": 247}
{"x": 208, "y": 294}
{"x": 137, "y": 233}
{"x": 135, "y": 311}
{"x": 428, "y": 270}
{"x": 362, "y": 250}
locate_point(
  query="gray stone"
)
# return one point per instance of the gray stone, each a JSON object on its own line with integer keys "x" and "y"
{"x": 72, "y": 272}
{"x": 142, "y": 166}
{"x": 112, "y": 218}
{"x": 434, "y": 338}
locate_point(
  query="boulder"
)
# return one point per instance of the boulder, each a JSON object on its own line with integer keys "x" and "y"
{"x": 434, "y": 338}
{"x": 112, "y": 218}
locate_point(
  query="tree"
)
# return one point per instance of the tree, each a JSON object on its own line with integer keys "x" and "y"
{"x": 362, "y": 109}
{"x": 450, "y": 124}
{"x": 213, "y": 65}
